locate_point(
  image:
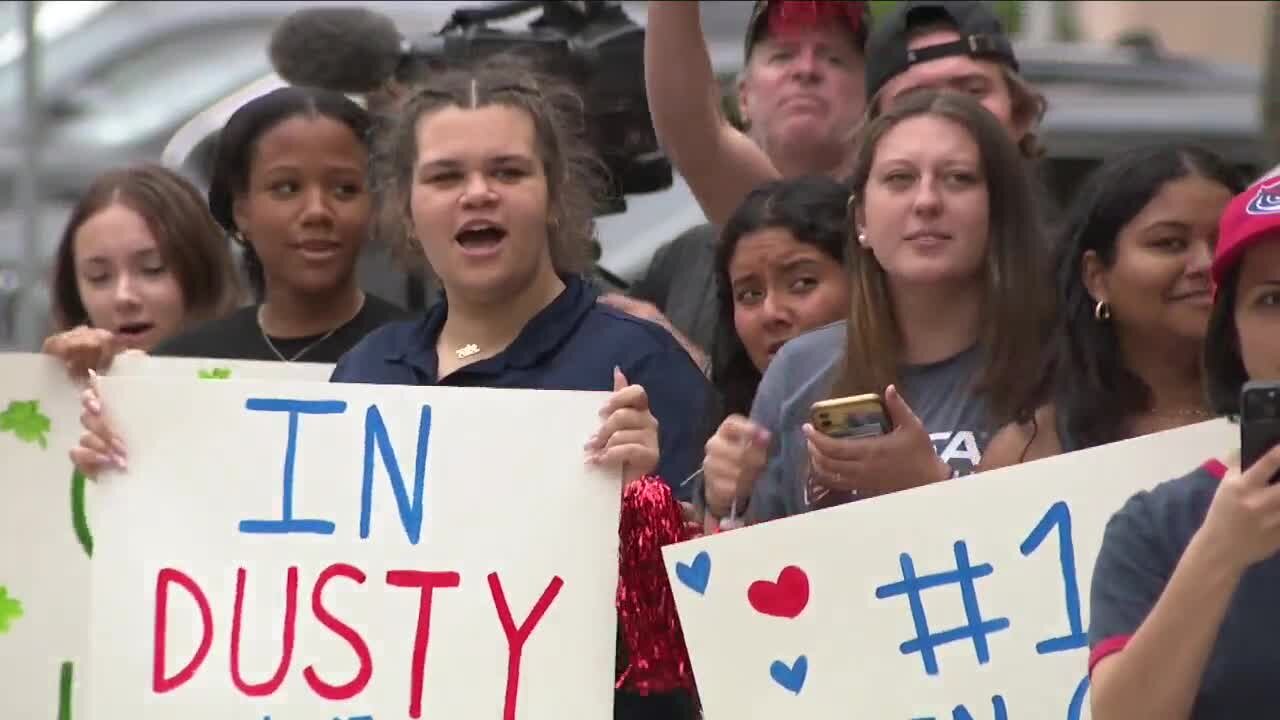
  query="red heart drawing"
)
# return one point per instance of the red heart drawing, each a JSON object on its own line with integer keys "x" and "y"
{"x": 785, "y": 598}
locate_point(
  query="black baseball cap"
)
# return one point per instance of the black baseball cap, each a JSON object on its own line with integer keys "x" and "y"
{"x": 856, "y": 15}
{"x": 982, "y": 35}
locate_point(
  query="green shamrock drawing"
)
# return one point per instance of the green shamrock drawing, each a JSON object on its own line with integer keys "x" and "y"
{"x": 215, "y": 374}
{"x": 25, "y": 420}
{"x": 10, "y": 610}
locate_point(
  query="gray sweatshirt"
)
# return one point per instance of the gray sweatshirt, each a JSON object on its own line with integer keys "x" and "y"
{"x": 804, "y": 371}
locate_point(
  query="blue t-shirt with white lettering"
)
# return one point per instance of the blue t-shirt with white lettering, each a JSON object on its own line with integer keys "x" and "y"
{"x": 803, "y": 372}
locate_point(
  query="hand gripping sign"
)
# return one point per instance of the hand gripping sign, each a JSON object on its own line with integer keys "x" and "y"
{"x": 967, "y": 599}
{"x": 313, "y": 550}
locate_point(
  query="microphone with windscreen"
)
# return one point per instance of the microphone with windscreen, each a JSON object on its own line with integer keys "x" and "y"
{"x": 594, "y": 45}
{"x": 348, "y": 49}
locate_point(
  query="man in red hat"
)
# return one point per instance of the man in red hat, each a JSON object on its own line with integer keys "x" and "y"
{"x": 800, "y": 96}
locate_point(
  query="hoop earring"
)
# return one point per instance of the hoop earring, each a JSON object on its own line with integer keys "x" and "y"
{"x": 1102, "y": 311}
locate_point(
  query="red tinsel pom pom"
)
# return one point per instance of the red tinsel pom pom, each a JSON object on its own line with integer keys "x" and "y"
{"x": 657, "y": 660}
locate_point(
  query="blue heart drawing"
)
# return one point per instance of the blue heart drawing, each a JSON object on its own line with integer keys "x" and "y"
{"x": 696, "y": 576}
{"x": 790, "y": 677}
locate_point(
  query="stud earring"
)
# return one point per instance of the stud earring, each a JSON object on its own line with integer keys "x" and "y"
{"x": 1101, "y": 311}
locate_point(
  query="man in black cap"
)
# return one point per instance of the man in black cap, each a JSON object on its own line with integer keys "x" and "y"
{"x": 800, "y": 95}
{"x": 959, "y": 45}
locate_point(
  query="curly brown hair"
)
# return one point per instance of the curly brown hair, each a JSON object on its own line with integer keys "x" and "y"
{"x": 576, "y": 179}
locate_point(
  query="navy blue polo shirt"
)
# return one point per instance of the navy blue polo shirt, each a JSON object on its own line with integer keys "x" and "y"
{"x": 1141, "y": 547}
{"x": 572, "y": 344}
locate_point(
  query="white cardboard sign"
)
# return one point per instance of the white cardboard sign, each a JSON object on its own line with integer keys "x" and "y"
{"x": 965, "y": 599}
{"x": 46, "y": 522}
{"x": 309, "y": 550}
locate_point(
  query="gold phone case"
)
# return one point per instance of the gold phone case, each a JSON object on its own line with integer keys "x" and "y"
{"x": 856, "y": 416}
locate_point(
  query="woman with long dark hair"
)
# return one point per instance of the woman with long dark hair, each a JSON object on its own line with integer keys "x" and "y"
{"x": 779, "y": 274}
{"x": 1133, "y": 294}
{"x": 1186, "y": 584}
{"x": 946, "y": 321}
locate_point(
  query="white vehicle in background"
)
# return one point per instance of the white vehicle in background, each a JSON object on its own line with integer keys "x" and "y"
{"x": 118, "y": 80}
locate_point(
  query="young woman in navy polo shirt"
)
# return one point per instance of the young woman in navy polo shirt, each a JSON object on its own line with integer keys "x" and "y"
{"x": 1187, "y": 584}
{"x": 498, "y": 195}
{"x": 493, "y": 188}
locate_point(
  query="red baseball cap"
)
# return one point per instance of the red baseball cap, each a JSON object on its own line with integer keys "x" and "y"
{"x": 1250, "y": 217}
{"x": 771, "y": 16}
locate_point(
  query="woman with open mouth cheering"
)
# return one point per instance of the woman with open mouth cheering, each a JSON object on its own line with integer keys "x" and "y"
{"x": 484, "y": 171}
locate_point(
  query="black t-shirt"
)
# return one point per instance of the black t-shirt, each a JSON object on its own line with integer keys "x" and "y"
{"x": 238, "y": 336}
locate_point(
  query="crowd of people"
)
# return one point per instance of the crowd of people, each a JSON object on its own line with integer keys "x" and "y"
{"x": 879, "y": 225}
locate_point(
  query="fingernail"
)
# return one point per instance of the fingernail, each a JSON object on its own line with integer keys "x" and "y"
{"x": 94, "y": 406}
{"x": 118, "y": 447}
{"x": 119, "y": 462}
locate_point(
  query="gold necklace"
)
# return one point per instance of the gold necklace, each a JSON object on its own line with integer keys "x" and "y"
{"x": 467, "y": 351}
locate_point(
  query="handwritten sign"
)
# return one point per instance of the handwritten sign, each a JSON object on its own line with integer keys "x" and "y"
{"x": 308, "y": 550}
{"x": 46, "y": 527}
{"x": 962, "y": 600}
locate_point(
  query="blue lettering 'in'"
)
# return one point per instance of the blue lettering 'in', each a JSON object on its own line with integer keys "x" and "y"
{"x": 375, "y": 436}
{"x": 287, "y": 523}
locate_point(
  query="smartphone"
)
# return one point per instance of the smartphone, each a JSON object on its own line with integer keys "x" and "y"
{"x": 855, "y": 416}
{"x": 1259, "y": 421}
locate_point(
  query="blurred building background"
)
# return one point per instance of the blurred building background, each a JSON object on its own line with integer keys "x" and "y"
{"x": 121, "y": 81}
{"x": 1225, "y": 30}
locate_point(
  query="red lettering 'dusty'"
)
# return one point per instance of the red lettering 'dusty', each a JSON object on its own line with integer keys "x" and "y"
{"x": 357, "y": 643}
{"x": 160, "y": 683}
{"x": 516, "y": 636}
{"x": 290, "y": 617}
{"x": 427, "y": 582}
